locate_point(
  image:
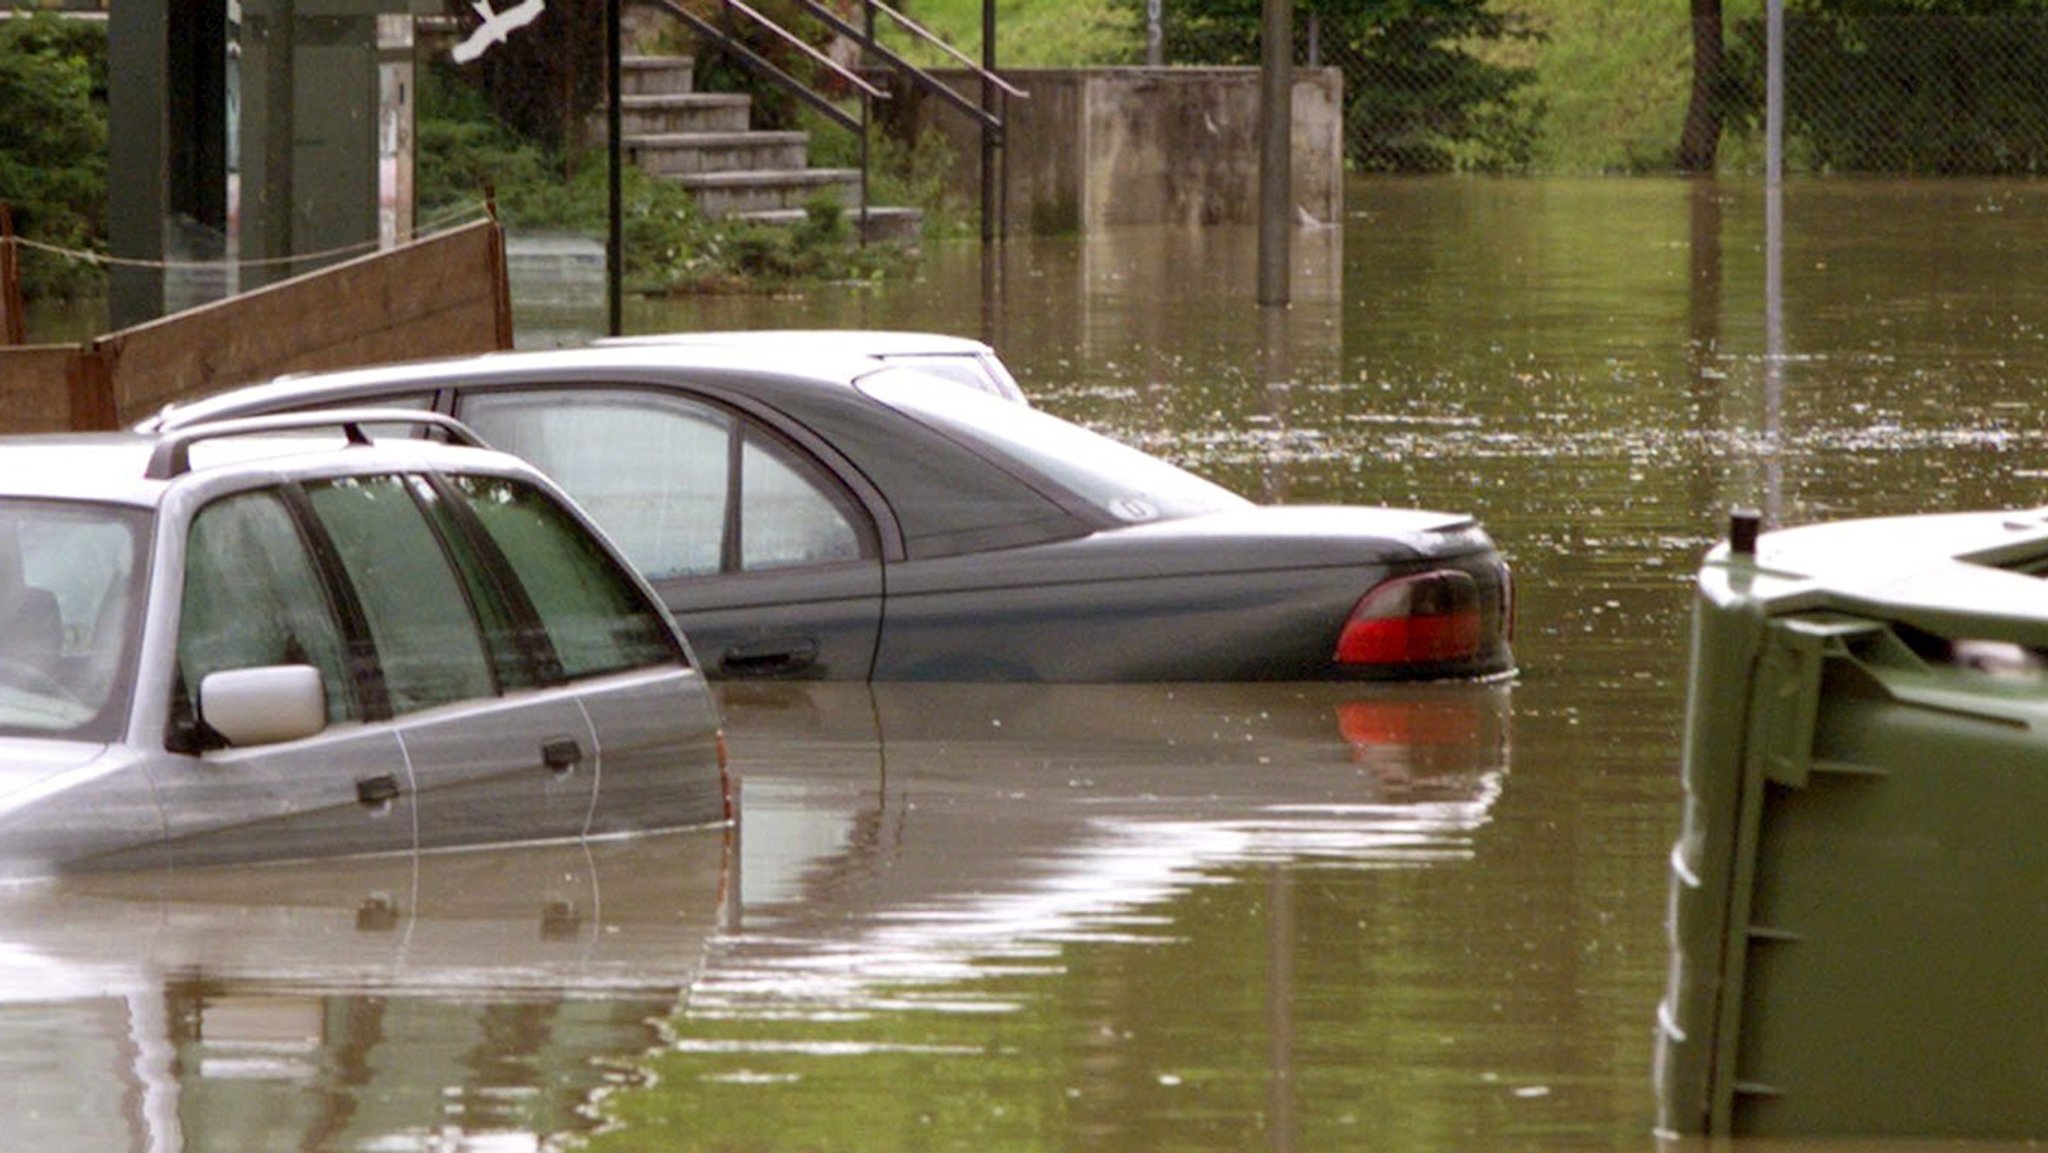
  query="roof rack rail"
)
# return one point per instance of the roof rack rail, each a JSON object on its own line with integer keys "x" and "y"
{"x": 173, "y": 455}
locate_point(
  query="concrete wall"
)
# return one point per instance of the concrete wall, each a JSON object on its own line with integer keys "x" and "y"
{"x": 1100, "y": 147}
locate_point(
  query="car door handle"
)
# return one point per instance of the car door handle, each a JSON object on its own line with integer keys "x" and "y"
{"x": 561, "y": 754}
{"x": 770, "y": 658}
{"x": 377, "y": 791}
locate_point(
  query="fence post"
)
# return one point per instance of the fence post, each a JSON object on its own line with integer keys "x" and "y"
{"x": 90, "y": 388}
{"x": 13, "y": 319}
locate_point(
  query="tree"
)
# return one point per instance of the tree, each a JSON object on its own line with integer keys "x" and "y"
{"x": 53, "y": 139}
{"x": 1420, "y": 94}
{"x": 1699, "y": 145}
{"x": 1942, "y": 87}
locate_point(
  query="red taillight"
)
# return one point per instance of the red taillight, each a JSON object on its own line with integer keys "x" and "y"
{"x": 1423, "y": 619}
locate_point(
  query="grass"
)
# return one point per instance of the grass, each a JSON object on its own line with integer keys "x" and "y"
{"x": 1613, "y": 81}
{"x": 1032, "y": 33}
{"x": 1611, "y": 88}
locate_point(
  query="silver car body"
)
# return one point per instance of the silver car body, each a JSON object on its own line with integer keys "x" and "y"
{"x": 565, "y": 757}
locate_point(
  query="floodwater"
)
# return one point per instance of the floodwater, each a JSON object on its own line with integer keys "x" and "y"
{"x": 1200, "y": 918}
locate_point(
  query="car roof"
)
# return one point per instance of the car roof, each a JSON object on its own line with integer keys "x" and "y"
{"x": 107, "y": 466}
{"x": 825, "y": 395}
{"x": 876, "y": 342}
{"x": 761, "y": 371}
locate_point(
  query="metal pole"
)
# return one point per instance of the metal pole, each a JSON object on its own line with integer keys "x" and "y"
{"x": 1774, "y": 255}
{"x": 1774, "y": 93}
{"x": 990, "y": 226}
{"x": 1276, "y": 152}
{"x": 1155, "y": 34}
{"x": 138, "y": 153}
{"x": 615, "y": 233}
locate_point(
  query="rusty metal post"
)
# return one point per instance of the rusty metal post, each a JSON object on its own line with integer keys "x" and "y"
{"x": 615, "y": 169}
{"x": 13, "y": 321}
{"x": 993, "y": 227}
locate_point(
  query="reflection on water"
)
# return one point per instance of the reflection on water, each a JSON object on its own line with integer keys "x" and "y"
{"x": 1000, "y": 902}
{"x": 454, "y": 1001}
{"x": 993, "y": 823}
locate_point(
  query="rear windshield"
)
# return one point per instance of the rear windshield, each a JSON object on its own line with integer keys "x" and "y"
{"x": 1117, "y": 481}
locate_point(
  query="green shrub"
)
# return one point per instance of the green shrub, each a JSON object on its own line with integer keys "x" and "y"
{"x": 53, "y": 144}
{"x": 1430, "y": 87}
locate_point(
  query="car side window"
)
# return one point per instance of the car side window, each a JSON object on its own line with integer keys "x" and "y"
{"x": 653, "y": 469}
{"x": 594, "y": 615}
{"x": 416, "y": 607}
{"x": 253, "y": 597}
{"x": 787, "y": 515}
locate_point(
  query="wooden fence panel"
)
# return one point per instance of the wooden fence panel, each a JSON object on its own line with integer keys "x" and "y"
{"x": 443, "y": 296}
{"x": 37, "y": 387}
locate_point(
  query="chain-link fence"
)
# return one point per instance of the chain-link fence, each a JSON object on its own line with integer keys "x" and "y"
{"x": 1864, "y": 93}
{"x": 1944, "y": 95}
{"x": 1463, "y": 85}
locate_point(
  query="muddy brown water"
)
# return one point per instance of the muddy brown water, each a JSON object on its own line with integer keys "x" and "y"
{"x": 1143, "y": 918}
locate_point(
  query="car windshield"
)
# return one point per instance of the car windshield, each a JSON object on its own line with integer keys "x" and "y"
{"x": 70, "y": 584}
{"x": 1120, "y": 482}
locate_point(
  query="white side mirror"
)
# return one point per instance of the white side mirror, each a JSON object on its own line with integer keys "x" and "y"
{"x": 264, "y": 705}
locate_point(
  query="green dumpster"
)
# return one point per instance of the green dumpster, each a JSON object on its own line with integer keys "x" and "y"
{"x": 1859, "y": 892}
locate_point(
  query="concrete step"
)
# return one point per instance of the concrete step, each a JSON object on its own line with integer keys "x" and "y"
{"x": 727, "y": 193}
{"x": 657, "y": 75}
{"x": 885, "y": 224}
{"x": 691, "y": 153}
{"x": 689, "y": 112}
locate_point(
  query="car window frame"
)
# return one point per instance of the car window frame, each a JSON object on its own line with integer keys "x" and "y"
{"x": 856, "y": 503}
{"x": 111, "y": 721}
{"x": 498, "y": 677}
{"x": 184, "y": 730}
{"x": 616, "y": 566}
{"x": 530, "y": 664}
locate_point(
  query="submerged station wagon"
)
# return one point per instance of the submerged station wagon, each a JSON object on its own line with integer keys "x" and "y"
{"x": 222, "y": 646}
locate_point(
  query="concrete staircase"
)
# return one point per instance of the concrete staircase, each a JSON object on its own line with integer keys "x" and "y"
{"x": 704, "y": 141}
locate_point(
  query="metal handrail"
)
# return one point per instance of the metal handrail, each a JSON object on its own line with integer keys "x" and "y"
{"x": 932, "y": 38}
{"x": 766, "y": 67}
{"x": 864, "y": 37}
{"x": 816, "y": 56}
{"x": 918, "y": 75}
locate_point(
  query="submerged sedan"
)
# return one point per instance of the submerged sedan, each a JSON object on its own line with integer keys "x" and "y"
{"x": 837, "y": 518}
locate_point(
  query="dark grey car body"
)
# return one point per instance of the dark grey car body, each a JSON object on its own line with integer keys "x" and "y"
{"x": 975, "y": 562}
